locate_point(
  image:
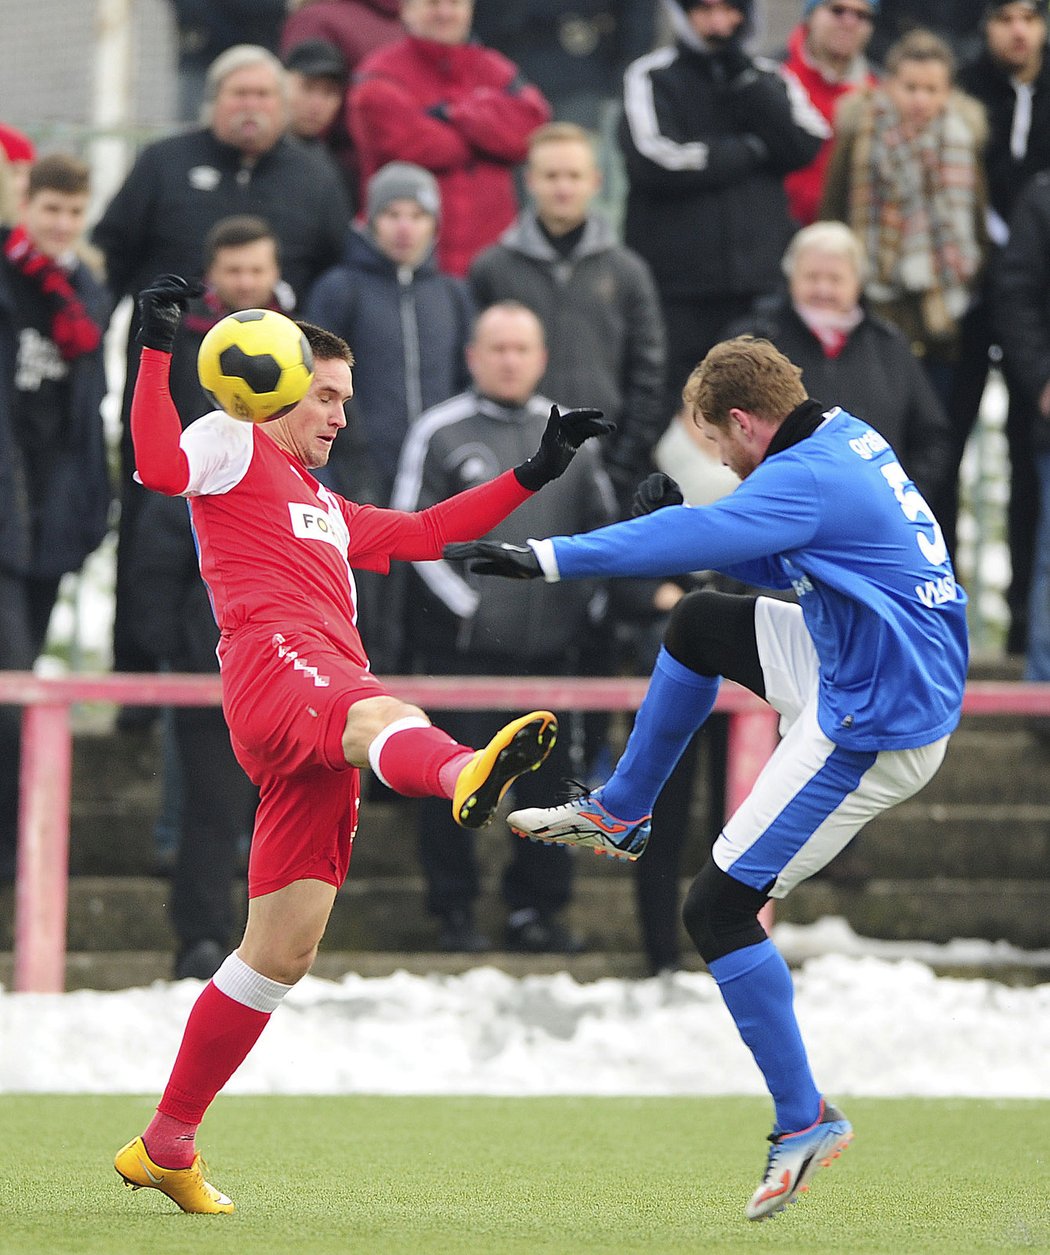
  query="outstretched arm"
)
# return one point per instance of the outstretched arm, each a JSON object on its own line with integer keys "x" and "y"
{"x": 422, "y": 536}
{"x": 748, "y": 525}
{"x": 155, "y": 427}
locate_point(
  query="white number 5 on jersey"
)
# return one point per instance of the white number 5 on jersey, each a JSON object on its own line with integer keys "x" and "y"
{"x": 932, "y": 547}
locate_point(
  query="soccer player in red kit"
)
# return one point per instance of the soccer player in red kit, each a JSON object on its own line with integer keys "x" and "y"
{"x": 277, "y": 550}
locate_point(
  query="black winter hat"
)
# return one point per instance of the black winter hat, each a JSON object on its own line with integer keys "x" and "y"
{"x": 742, "y": 6}
{"x": 317, "y": 58}
{"x": 1038, "y": 7}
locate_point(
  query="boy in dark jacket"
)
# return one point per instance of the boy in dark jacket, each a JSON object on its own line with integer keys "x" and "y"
{"x": 54, "y": 481}
{"x": 408, "y": 325}
{"x": 407, "y": 322}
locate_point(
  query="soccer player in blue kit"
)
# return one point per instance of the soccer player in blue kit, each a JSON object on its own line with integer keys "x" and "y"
{"x": 866, "y": 672}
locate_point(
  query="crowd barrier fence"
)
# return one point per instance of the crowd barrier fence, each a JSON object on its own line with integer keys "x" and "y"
{"x": 42, "y": 867}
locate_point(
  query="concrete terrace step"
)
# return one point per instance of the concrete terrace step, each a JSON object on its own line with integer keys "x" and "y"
{"x": 922, "y": 837}
{"x": 383, "y": 914}
{"x": 986, "y": 812}
{"x": 938, "y": 909}
{"x": 125, "y": 969}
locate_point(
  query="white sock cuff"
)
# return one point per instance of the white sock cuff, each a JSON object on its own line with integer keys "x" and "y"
{"x": 245, "y": 985}
{"x": 391, "y": 729}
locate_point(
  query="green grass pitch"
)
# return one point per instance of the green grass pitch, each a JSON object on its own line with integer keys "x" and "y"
{"x": 484, "y": 1176}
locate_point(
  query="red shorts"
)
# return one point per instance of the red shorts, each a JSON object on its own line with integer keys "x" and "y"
{"x": 286, "y": 694}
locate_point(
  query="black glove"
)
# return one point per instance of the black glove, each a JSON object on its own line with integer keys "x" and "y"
{"x": 516, "y": 562}
{"x": 654, "y": 492}
{"x": 562, "y": 436}
{"x": 161, "y": 307}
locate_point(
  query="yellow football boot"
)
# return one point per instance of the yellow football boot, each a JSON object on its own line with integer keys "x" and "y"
{"x": 184, "y": 1186}
{"x": 520, "y": 746}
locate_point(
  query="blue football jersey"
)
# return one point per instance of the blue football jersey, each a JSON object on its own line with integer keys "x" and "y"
{"x": 836, "y": 518}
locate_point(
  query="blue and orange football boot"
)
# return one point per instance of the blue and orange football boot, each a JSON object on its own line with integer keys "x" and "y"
{"x": 586, "y": 822}
{"x": 795, "y": 1157}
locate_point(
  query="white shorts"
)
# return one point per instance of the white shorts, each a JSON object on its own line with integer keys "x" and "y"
{"x": 813, "y": 796}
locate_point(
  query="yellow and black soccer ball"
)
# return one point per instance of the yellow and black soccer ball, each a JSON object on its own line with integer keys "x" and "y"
{"x": 255, "y": 364}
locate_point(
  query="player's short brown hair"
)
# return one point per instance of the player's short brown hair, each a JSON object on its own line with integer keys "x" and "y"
{"x": 234, "y": 232}
{"x": 59, "y": 172}
{"x": 744, "y": 373}
{"x": 326, "y": 346}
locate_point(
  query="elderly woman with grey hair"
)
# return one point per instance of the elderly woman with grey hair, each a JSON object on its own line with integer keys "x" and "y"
{"x": 851, "y": 357}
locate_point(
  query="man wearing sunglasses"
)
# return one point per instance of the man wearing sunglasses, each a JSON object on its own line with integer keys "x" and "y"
{"x": 825, "y": 60}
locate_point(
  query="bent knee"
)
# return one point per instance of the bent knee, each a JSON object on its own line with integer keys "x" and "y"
{"x": 721, "y": 914}
{"x": 713, "y": 633}
{"x": 277, "y": 963}
{"x": 370, "y": 718}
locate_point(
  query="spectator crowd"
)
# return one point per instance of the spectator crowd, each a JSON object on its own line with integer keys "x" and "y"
{"x": 501, "y": 207}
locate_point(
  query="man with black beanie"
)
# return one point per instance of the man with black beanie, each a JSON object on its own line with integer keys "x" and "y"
{"x": 708, "y": 134}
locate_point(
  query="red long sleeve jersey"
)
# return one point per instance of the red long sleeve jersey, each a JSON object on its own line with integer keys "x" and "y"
{"x": 275, "y": 545}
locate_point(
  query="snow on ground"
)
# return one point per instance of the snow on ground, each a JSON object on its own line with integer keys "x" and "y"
{"x": 875, "y": 1025}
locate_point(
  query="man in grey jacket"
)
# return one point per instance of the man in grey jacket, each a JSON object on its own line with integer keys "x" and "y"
{"x": 596, "y": 300}
{"x": 460, "y": 624}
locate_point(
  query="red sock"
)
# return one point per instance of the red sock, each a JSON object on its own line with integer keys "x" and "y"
{"x": 170, "y": 1142}
{"x": 420, "y": 761}
{"x": 218, "y": 1036}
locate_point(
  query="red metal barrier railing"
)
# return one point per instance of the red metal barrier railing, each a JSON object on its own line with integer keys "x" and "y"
{"x": 43, "y": 829}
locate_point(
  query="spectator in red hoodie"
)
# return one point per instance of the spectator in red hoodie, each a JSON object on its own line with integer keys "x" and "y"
{"x": 458, "y": 109}
{"x": 825, "y": 60}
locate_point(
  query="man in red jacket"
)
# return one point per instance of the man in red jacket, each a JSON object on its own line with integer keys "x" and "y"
{"x": 454, "y": 107}
{"x": 825, "y": 60}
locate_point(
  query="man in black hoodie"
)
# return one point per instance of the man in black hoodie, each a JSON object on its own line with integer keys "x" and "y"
{"x": 708, "y": 134}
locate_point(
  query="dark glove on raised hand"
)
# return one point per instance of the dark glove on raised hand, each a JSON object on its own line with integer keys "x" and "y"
{"x": 161, "y": 307}
{"x": 654, "y": 492}
{"x": 562, "y": 436}
{"x": 492, "y": 557}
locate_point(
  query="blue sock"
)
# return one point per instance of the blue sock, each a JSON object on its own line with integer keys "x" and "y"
{"x": 757, "y": 988}
{"x": 676, "y": 704}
